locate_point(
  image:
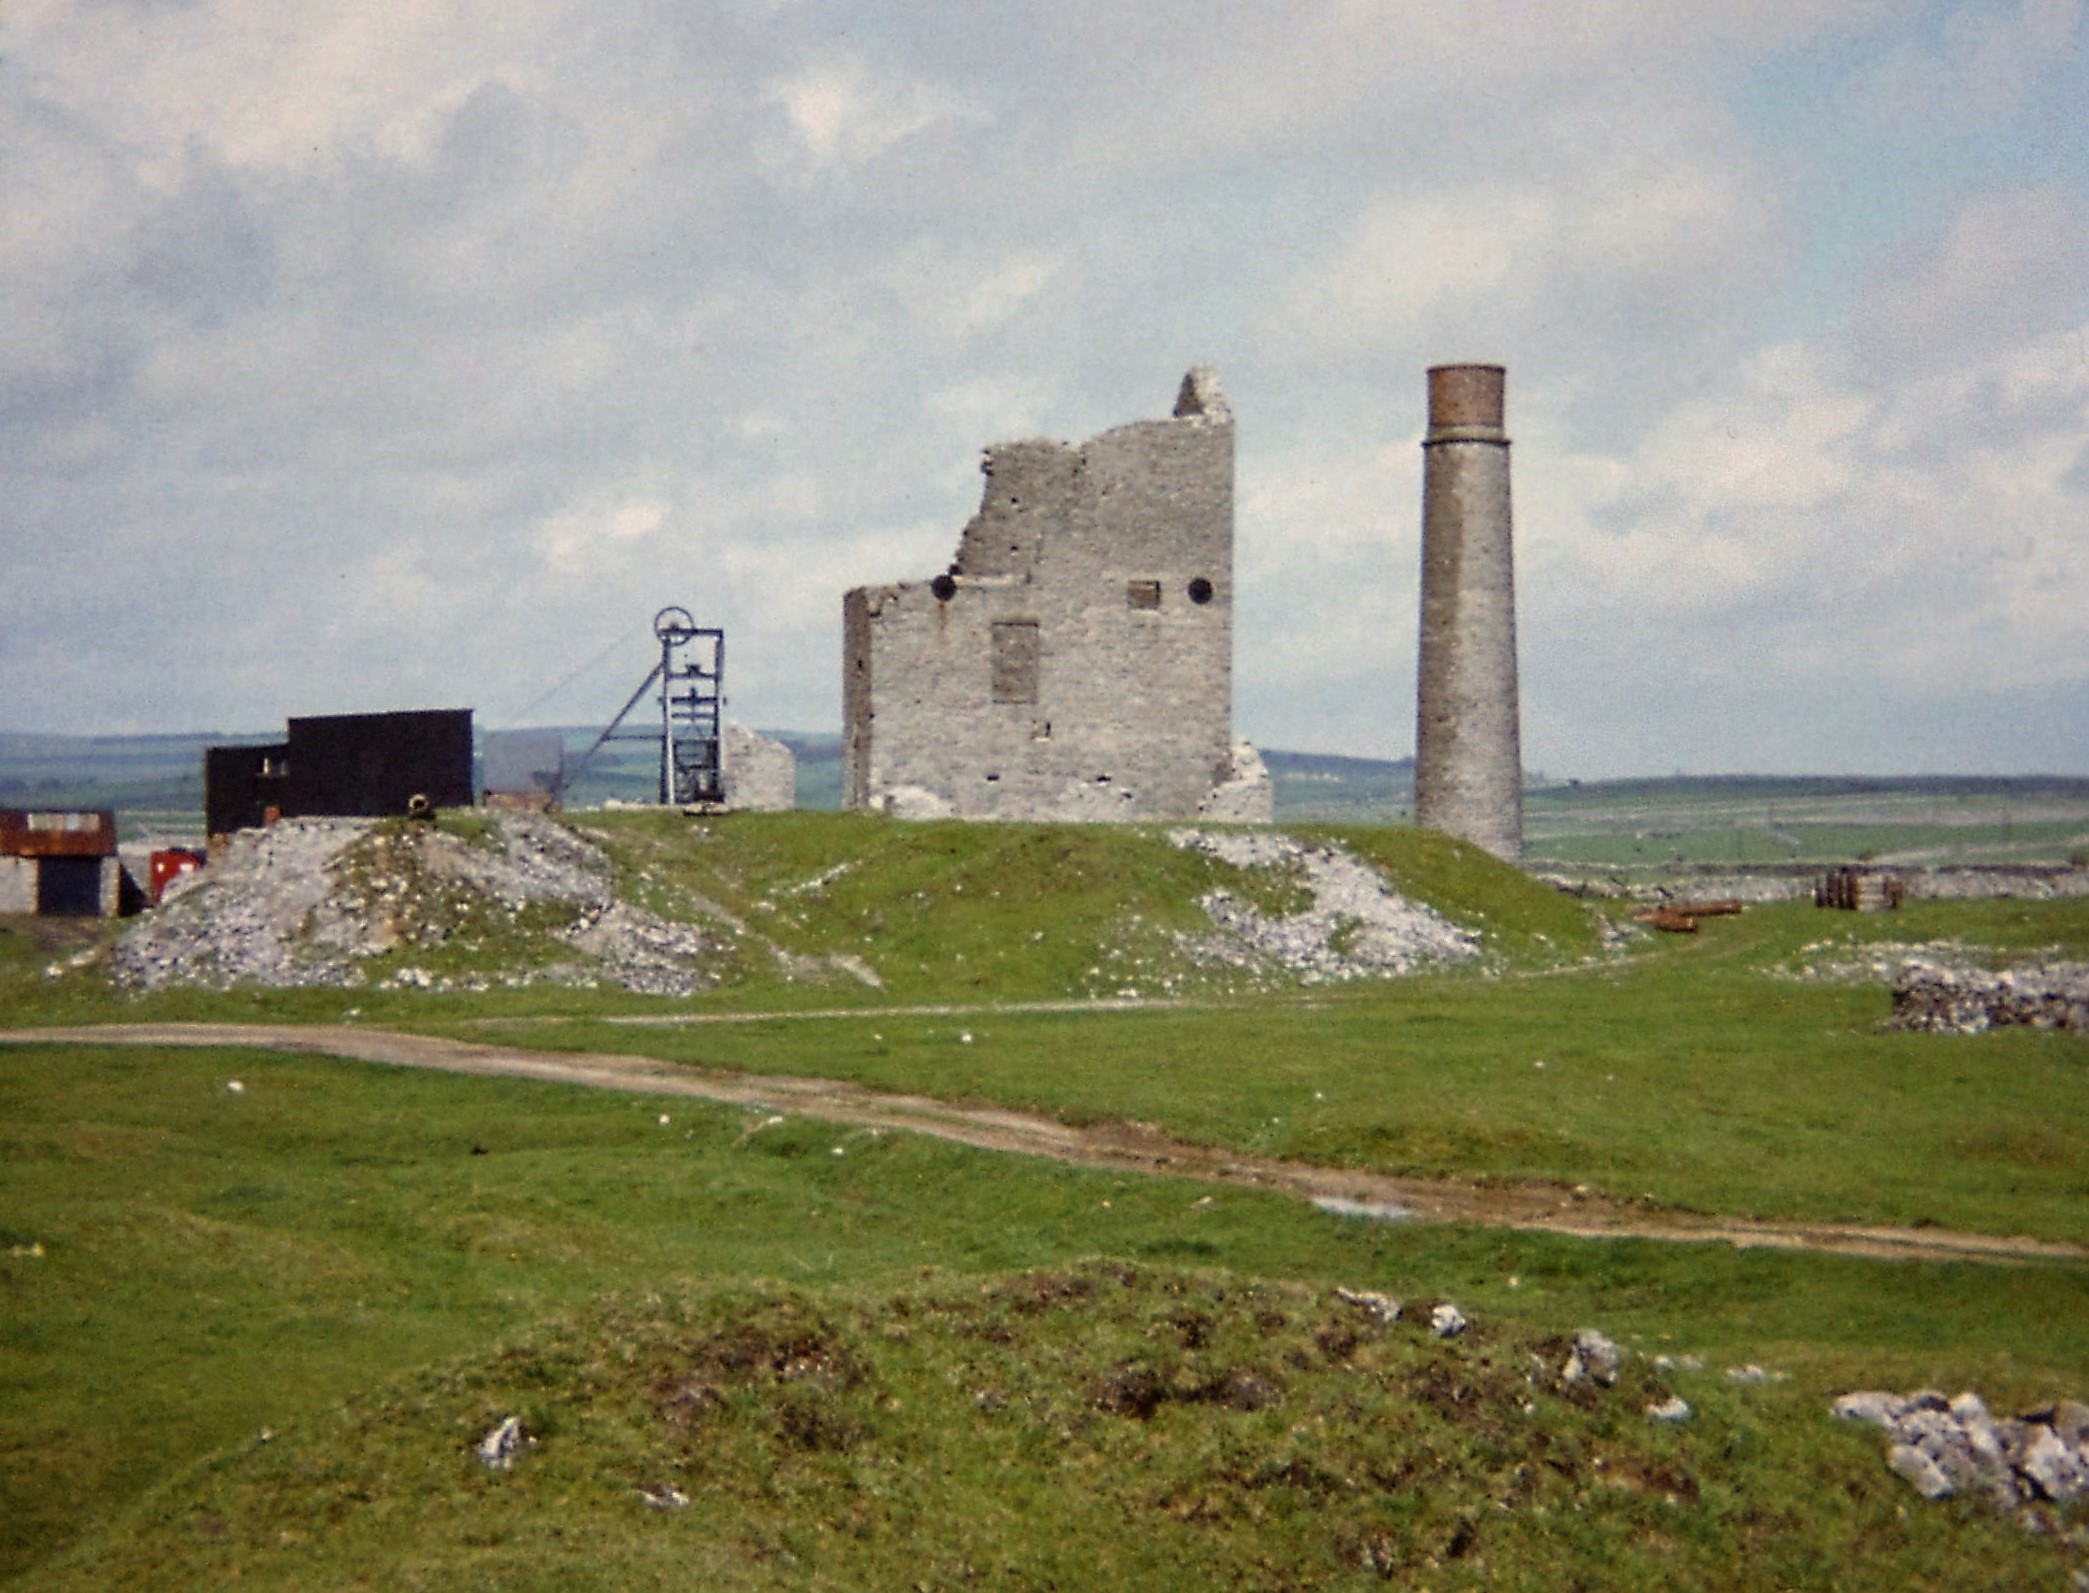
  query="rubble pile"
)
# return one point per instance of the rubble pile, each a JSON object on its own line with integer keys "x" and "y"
{"x": 244, "y": 920}
{"x": 1357, "y": 927}
{"x": 1955, "y": 1446}
{"x": 1942, "y": 999}
{"x": 348, "y": 903}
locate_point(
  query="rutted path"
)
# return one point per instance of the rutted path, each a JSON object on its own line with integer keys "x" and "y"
{"x": 1118, "y": 1146}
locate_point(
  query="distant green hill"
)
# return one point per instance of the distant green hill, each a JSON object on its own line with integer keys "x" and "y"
{"x": 156, "y": 783}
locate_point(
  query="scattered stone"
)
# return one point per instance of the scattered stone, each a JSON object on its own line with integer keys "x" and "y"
{"x": 1595, "y": 1359}
{"x": 1950, "y": 1446}
{"x": 1750, "y": 1373}
{"x": 2071, "y": 1421}
{"x": 665, "y": 1497}
{"x": 2057, "y": 1468}
{"x": 1970, "y": 1409}
{"x": 498, "y": 1449}
{"x": 1447, "y": 1321}
{"x": 1379, "y": 1307}
{"x": 1941, "y": 999}
{"x": 1868, "y": 1405}
{"x": 1922, "y": 1473}
{"x": 1357, "y": 927}
{"x": 1673, "y": 1409}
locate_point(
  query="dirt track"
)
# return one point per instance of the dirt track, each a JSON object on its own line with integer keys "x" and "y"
{"x": 1124, "y": 1147}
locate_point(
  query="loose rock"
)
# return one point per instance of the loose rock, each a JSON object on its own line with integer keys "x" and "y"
{"x": 1942, "y": 999}
{"x": 1379, "y": 1307}
{"x": 1595, "y": 1359}
{"x": 498, "y": 1449}
{"x": 1946, "y": 1446}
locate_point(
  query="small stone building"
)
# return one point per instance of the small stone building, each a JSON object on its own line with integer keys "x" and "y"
{"x": 1076, "y": 660}
{"x": 60, "y": 862}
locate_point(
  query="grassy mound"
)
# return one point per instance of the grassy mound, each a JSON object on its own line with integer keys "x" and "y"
{"x": 1101, "y": 1426}
{"x": 797, "y": 909}
{"x": 955, "y": 911}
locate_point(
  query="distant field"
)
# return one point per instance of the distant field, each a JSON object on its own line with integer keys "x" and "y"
{"x": 1907, "y": 822}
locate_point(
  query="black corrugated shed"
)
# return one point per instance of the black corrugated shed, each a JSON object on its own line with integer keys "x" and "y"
{"x": 342, "y": 766}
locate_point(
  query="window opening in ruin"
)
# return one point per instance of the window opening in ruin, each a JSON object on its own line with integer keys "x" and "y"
{"x": 1041, "y": 730}
{"x": 1143, "y": 594}
{"x": 1015, "y": 660}
{"x": 1200, "y": 590}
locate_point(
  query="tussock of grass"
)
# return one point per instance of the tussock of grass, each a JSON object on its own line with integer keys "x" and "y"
{"x": 1105, "y": 1425}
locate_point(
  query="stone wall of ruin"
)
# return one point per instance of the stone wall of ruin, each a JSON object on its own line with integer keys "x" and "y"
{"x": 761, "y": 774}
{"x": 1076, "y": 661}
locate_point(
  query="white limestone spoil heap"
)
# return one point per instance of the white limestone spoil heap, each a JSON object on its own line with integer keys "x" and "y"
{"x": 1357, "y": 927}
{"x": 310, "y": 902}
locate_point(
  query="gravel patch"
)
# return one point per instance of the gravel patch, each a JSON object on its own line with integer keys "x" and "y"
{"x": 247, "y": 920}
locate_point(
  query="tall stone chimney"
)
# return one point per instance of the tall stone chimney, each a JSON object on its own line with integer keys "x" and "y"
{"x": 1468, "y": 764}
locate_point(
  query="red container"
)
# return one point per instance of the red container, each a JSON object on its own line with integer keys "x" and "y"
{"x": 169, "y": 865}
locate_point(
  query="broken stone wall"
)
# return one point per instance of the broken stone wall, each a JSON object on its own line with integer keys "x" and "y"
{"x": 1076, "y": 662}
{"x": 761, "y": 775}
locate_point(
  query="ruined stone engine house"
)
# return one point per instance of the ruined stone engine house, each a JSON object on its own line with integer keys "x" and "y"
{"x": 1076, "y": 661}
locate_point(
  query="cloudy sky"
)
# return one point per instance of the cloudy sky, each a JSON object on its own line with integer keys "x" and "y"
{"x": 407, "y": 353}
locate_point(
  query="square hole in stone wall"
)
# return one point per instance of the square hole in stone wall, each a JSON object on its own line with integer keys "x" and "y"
{"x": 1015, "y": 661}
{"x": 1142, "y": 594}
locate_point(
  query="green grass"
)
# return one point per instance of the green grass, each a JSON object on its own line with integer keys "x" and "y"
{"x": 324, "y": 1255}
{"x": 372, "y": 1262}
{"x": 1695, "y": 1075}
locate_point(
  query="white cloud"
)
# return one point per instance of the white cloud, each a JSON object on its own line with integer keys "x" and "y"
{"x": 269, "y": 86}
{"x": 1985, "y": 63}
{"x": 959, "y": 295}
{"x": 843, "y": 115}
{"x": 1580, "y": 263}
{"x": 2009, "y": 265}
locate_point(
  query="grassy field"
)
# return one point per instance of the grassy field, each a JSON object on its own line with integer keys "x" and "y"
{"x": 374, "y": 1266}
{"x": 1648, "y": 823}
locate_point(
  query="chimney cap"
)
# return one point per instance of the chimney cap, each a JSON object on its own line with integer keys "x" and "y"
{"x": 1466, "y": 396}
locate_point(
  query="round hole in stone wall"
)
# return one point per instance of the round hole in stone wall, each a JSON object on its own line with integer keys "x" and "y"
{"x": 944, "y": 588}
{"x": 1200, "y": 590}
